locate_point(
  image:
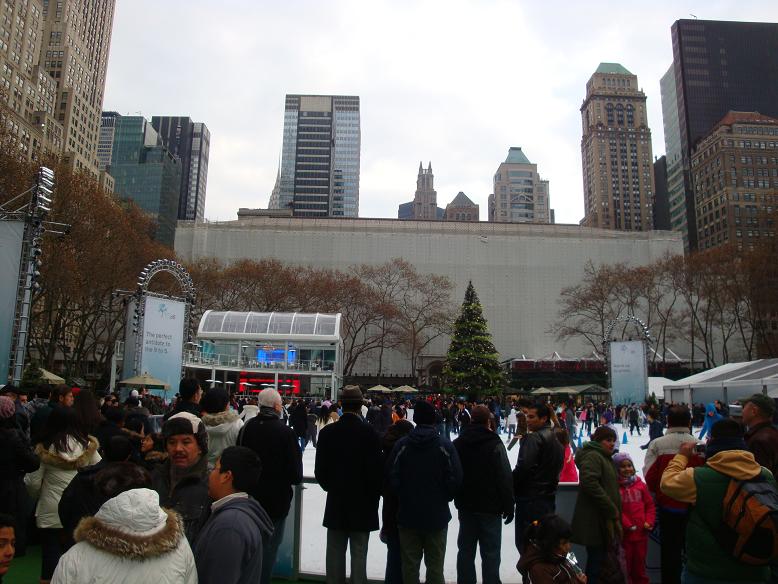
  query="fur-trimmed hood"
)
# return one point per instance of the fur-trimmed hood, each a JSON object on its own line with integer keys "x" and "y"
{"x": 222, "y": 418}
{"x": 132, "y": 525}
{"x": 74, "y": 458}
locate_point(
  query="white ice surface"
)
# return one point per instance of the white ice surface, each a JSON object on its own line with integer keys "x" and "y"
{"x": 313, "y": 537}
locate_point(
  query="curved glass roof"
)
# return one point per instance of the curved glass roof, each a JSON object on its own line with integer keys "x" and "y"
{"x": 267, "y": 325}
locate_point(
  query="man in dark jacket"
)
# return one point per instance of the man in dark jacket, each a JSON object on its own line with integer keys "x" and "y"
{"x": 485, "y": 498}
{"x": 762, "y": 436}
{"x": 282, "y": 466}
{"x": 536, "y": 476}
{"x": 182, "y": 480}
{"x": 189, "y": 393}
{"x": 229, "y": 547}
{"x": 348, "y": 468}
{"x": 425, "y": 473}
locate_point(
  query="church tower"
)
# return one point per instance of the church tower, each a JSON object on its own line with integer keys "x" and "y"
{"x": 425, "y": 200}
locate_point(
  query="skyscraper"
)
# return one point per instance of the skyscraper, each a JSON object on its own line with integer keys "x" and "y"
{"x": 520, "y": 195}
{"x": 320, "y": 156}
{"x": 718, "y": 66}
{"x": 53, "y": 58}
{"x": 146, "y": 173}
{"x": 734, "y": 172}
{"x": 76, "y": 41}
{"x": 618, "y": 175}
{"x": 190, "y": 142}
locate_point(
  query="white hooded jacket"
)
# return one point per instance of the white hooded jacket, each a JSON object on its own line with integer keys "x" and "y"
{"x": 56, "y": 471}
{"x": 223, "y": 429}
{"x": 130, "y": 540}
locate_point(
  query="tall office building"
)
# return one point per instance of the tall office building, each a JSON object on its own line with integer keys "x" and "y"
{"x": 54, "y": 57}
{"x": 618, "y": 175}
{"x": 105, "y": 139}
{"x": 320, "y": 156}
{"x": 674, "y": 175}
{"x": 735, "y": 177}
{"x": 661, "y": 199}
{"x": 76, "y": 41}
{"x": 28, "y": 90}
{"x": 146, "y": 173}
{"x": 520, "y": 195}
{"x": 718, "y": 66}
{"x": 191, "y": 143}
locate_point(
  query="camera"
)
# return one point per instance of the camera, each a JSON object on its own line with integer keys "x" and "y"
{"x": 699, "y": 448}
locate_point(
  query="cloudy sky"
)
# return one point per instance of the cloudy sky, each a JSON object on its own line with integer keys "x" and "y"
{"x": 452, "y": 82}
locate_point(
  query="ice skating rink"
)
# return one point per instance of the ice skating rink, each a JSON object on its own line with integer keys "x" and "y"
{"x": 313, "y": 537}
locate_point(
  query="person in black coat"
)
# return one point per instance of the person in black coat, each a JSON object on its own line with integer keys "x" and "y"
{"x": 112, "y": 424}
{"x": 182, "y": 480}
{"x": 299, "y": 421}
{"x": 16, "y": 459}
{"x": 349, "y": 468}
{"x": 536, "y": 475}
{"x": 425, "y": 473}
{"x": 282, "y": 466}
{"x": 82, "y": 498}
{"x": 485, "y": 499}
{"x": 389, "y": 532}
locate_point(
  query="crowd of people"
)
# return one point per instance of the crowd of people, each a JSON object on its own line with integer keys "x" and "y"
{"x": 206, "y": 498}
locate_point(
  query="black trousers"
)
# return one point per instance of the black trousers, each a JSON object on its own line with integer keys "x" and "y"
{"x": 672, "y": 532}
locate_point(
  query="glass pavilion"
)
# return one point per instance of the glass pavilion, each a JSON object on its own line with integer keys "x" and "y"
{"x": 300, "y": 354}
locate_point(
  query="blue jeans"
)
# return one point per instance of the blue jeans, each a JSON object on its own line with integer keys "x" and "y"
{"x": 528, "y": 509}
{"x": 483, "y": 530}
{"x": 303, "y": 443}
{"x": 270, "y": 550}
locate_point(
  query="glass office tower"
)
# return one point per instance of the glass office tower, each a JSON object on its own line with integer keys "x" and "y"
{"x": 320, "y": 157}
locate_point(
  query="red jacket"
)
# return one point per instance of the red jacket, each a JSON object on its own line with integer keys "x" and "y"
{"x": 654, "y": 478}
{"x": 637, "y": 509}
{"x": 569, "y": 472}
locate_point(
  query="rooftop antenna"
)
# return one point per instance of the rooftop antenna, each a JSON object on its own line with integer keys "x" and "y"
{"x": 692, "y": 15}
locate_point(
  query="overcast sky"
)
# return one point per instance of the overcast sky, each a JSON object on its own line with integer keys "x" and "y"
{"x": 452, "y": 82}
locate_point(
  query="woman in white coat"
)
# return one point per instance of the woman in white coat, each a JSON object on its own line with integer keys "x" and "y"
{"x": 130, "y": 540}
{"x": 63, "y": 450}
{"x": 221, "y": 423}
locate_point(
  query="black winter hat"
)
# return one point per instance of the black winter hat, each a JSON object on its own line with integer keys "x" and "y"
{"x": 424, "y": 413}
{"x": 186, "y": 423}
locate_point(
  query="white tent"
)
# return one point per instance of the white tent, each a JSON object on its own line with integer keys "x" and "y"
{"x": 729, "y": 383}
{"x": 656, "y": 386}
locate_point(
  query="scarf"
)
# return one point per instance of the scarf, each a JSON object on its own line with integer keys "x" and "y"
{"x": 268, "y": 411}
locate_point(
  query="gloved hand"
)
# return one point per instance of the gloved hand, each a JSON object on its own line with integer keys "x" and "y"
{"x": 508, "y": 516}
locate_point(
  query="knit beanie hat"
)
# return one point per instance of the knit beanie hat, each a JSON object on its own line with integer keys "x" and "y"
{"x": 7, "y": 407}
{"x": 186, "y": 423}
{"x": 620, "y": 457}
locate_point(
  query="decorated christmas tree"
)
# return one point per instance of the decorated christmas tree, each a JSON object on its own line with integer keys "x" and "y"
{"x": 472, "y": 367}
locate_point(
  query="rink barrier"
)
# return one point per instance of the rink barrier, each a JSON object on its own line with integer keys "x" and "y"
{"x": 288, "y": 563}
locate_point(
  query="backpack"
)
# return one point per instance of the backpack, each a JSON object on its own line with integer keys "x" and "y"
{"x": 749, "y": 521}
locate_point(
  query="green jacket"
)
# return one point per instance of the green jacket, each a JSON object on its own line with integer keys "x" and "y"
{"x": 598, "y": 508}
{"x": 705, "y": 557}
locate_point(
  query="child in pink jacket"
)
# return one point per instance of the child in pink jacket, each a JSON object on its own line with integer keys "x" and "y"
{"x": 637, "y": 518}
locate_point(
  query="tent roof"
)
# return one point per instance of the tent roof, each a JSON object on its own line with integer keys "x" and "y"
{"x": 745, "y": 371}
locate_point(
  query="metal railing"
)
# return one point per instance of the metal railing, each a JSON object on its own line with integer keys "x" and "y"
{"x": 221, "y": 360}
